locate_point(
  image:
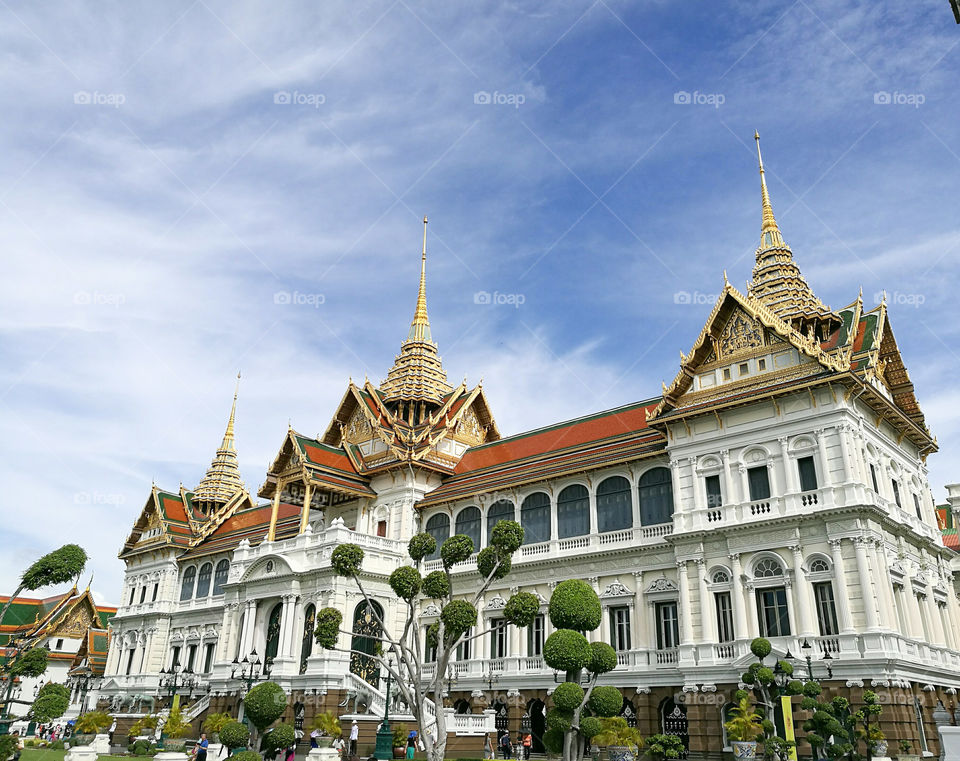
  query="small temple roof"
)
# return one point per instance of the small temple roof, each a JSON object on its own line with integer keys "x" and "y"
{"x": 417, "y": 373}
{"x": 222, "y": 479}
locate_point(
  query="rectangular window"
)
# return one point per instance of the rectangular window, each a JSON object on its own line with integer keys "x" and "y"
{"x": 896, "y": 492}
{"x": 381, "y": 528}
{"x": 498, "y": 638}
{"x": 143, "y": 594}
{"x": 429, "y": 648}
{"x": 668, "y": 626}
{"x": 921, "y": 730}
{"x": 772, "y": 612}
{"x": 724, "y": 617}
{"x": 59, "y": 645}
{"x": 133, "y": 592}
{"x": 156, "y": 590}
{"x": 759, "y": 482}
{"x": 130, "y": 655}
{"x": 463, "y": 649}
{"x": 826, "y": 609}
{"x": 620, "y": 627}
{"x": 744, "y": 368}
{"x": 191, "y": 656}
{"x": 714, "y": 497}
{"x": 726, "y": 373}
{"x": 873, "y": 477}
{"x": 761, "y": 364}
{"x": 208, "y": 658}
{"x": 175, "y": 656}
{"x": 536, "y": 634}
{"x": 916, "y": 506}
{"x": 808, "y": 473}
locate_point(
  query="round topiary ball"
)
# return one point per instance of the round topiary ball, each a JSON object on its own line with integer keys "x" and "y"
{"x": 567, "y": 650}
{"x": 490, "y": 561}
{"x": 458, "y": 617}
{"x": 421, "y": 545}
{"x": 740, "y": 695}
{"x": 507, "y": 536}
{"x": 234, "y": 735}
{"x": 795, "y": 687}
{"x": 575, "y": 605}
{"x": 405, "y": 582}
{"x": 522, "y": 609}
{"x": 436, "y": 585}
{"x": 761, "y": 647}
{"x": 590, "y": 726}
{"x": 346, "y": 559}
{"x": 765, "y": 675}
{"x": 786, "y": 667}
{"x": 812, "y": 689}
{"x": 748, "y": 677}
{"x": 604, "y": 658}
{"x": 568, "y": 696}
{"x": 809, "y": 704}
{"x": 553, "y": 740}
{"x": 328, "y": 627}
{"x": 557, "y": 719}
{"x": 280, "y": 737}
{"x": 605, "y": 701}
{"x": 455, "y": 550}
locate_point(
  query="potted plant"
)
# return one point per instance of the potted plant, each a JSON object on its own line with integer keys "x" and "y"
{"x": 400, "y": 733}
{"x": 905, "y": 754}
{"x": 329, "y": 726}
{"x": 877, "y": 742}
{"x": 175, "y": 728}
{"x": 88, "y": 725}
{"x": 214, "y": 723}
{"x": 662, "y": 747}
{"x": 743, "y": 728}
{"x": 622, "y": 742}
{"x": 144, "y": 726}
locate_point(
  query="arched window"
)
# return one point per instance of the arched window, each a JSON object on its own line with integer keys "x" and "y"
{"x": 501, "y": 510}
{"x": 656, "y": 497}
{"x": 767, "y": 568}
{"x": 461, "y": 707}
{"x": 273, "y": 632}
{"x": 439, "y": 528}
{"x": 721, "y": 577}
{"x": 535, "y": 518}
{"x": 573, "y": 512}
{"x": 367, "y": 635}
{"x": 306, "y": 643}
{"x": 203, "y": 580}
{"x": 186, "y": 588}
{"x": 614, "y": 508}
{"x": 220, "y": 576}
{"x": 468, "y": 524}
{"x": 819, "y": 565}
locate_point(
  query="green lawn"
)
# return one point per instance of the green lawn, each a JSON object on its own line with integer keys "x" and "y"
{"x": 44, "y": 754}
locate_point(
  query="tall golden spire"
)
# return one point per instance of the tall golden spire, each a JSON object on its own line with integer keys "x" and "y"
{"x": 222, "y": 480}
{"x": 417, "y": 374}
{"x": 777, "y": 281}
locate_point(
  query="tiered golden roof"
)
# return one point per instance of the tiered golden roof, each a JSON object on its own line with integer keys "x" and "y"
{"x": 222, "y": 480}
{"x": 776, "y": 281}
{"x": 417, "y": 374}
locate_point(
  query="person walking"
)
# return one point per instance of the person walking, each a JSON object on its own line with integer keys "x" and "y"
{"x": 411, "y": 744}
{"x": 527, "y": 743}
{"x": 505, "y": 745}
{"x": 354, "y": 736}
{"x": 487, "y": 748}
{"x": 200, "y": 749}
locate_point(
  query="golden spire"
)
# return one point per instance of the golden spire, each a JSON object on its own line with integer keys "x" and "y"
{"x": 222, "y": 480}
{"x": 769, "y": 222}
{"x": 420, "y": 327}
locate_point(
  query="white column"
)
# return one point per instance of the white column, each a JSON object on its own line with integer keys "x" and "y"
{"x": 776, "y": 488}
{"x": 805, "y": 613}
{"x": 866, "y": 587}
{"x": 686, "y": 610}
{"x": 249, "y": 621}
{"x": 824, "y": 460}
{"x": 744, "y": 483}
{"x": 642, "y": 639}
{"x": 888, "y": 615}
{"x": 554, "y": 529}
{"x": 116, "y": 647}
{"x": 844, "y": 453}
{"x": 912, "y": 613}
{"x": 678, "y": 500}
{"x": 728, "y": 495}
{"x": 708, "y": 618}
{"x": 699, "y": 490}
{"x": 789, "y": 473}
{"x": 592, "y": 494}
{"x": 737, "y": 598}
{"x": 840, "y": 584}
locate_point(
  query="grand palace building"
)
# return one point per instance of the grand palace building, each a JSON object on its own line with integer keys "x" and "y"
{"x": 776, "y": 487}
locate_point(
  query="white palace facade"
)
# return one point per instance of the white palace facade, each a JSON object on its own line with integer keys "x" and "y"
{"x": 776, "y": 487}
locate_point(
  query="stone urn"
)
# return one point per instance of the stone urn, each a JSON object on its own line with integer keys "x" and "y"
{"x": 619, "y": 753}
{"x": 743, "y": 750}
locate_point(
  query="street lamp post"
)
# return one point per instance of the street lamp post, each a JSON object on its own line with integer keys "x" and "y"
{"x": 250, "y": 671}
{"x": 384, "y": 748}
{"x": 807, "y": 651}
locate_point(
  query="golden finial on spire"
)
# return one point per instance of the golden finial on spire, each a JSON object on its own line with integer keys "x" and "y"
{"x": 420, "y": 327}
{"x": 228, "y": 435}
{"x": 769, "y": 222}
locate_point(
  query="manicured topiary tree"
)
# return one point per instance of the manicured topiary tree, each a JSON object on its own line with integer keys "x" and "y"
{"x": 575, "y": 608}
{"x": 57, "y": 567}
{"x": 264, "y": 704}
{"x": 51, "y": 703}
{"x": 280, "y": 737}
{"x": 32, "y": 662}
{"x": 402, "y": 654}
{"x": 234, "y": 735}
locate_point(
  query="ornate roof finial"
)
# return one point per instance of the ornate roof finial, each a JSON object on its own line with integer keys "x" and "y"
{"x": 769, "y": 221}
{"x": 420, "y": 327}
{"x": 222, "y": 479}
{"x": 228, "y": 434}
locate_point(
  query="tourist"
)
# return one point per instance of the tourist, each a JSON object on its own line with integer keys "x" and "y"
{"x": 411, "y": 743}
{"x": 200, "y": 749}
{"x": 291, "y": 752}
{"x": 313, "y": 739}
{"x": 505, "y": 745}
{"x": 527, "y": 743}
{"x": 487, "y": 748}
{"x": 354, "y": 736}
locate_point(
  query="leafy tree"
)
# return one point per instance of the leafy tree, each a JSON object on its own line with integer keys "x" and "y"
{"x": 9, "y": 745}
{"x": 264, "y": 704}
{"x": 176, "y": 725}
{"x": 234, "y": 735}
{"x": 215, "y": 722}
{"x": 280, "y": 737}
{"x": 51, "y": 703}
{"x": 575, "y": 608}
{"x": 32, "y": 662}
{"x": 92, "y": 722}
{"x": 768, "y": 687}
{"x": 661, "y": 747}
{"x": 57, "y": 567}
{"x": 401, "y": 655}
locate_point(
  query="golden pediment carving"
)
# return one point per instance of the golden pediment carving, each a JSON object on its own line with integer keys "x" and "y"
{"x": 469, "y": 429}
{"x": 741, "y": 333}
{"x": 358, "y": 428}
